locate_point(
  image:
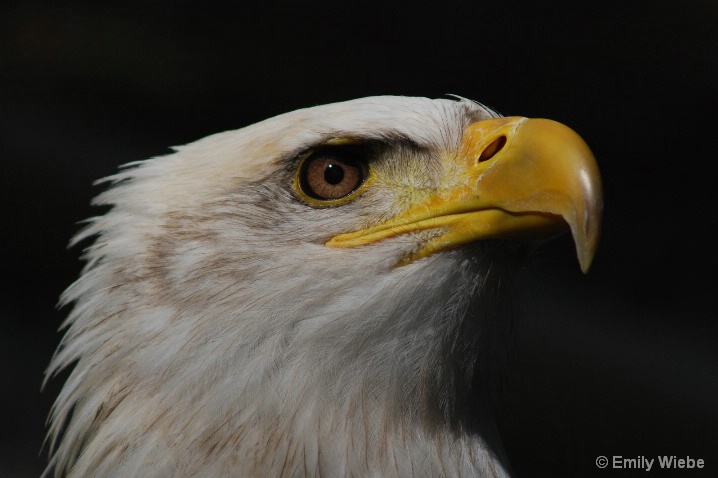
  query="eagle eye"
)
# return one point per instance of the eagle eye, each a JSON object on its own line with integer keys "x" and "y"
{"x": 330, "y": 175}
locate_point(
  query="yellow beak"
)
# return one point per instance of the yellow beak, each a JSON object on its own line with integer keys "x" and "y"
{"x": 513, "y": 178}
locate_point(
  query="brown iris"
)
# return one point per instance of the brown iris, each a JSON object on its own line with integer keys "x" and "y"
{"x": 327, "y": 176}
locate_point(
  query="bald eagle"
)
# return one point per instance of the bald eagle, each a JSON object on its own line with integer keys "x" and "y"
{"x": 324, "y": 293}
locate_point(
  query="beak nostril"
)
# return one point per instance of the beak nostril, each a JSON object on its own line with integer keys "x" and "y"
{"x": 492, "y": 149}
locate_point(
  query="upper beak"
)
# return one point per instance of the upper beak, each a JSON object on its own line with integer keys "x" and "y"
{"x": 514, "y": 178}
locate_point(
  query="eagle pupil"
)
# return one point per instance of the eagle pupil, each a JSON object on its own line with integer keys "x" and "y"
{"x": 333, "y": 174}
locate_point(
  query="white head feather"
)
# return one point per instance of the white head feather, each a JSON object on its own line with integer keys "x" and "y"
{"x": 213, "y": 334}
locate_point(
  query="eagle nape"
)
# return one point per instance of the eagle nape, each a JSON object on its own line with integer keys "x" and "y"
{"x": 324, "y": 293}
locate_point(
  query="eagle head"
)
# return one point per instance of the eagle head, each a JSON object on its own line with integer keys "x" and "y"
{"x": 327, "y": 292}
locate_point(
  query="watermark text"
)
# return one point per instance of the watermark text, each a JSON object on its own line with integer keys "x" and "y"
{"x": 665, "y": 462}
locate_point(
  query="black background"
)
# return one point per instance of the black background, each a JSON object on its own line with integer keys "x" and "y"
{"x": 623, "y": 361}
